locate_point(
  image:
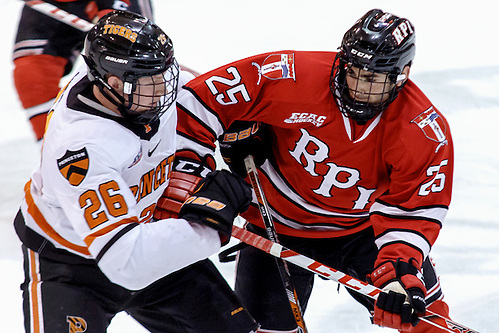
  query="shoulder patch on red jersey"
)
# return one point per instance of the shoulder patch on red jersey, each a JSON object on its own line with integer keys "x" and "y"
{"x": 74, "y": 165}
{"x": 277, "y": 66}
{"x": 432, "y": 125}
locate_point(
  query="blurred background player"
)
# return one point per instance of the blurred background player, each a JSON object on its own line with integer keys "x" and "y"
{"x": 91, "y": 247}
{"x": 45, "y": 51}
{"x": 355, "y": 161}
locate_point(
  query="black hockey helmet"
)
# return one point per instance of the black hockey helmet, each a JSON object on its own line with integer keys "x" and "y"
{"x": 131, "y": 47}
{"x": 379, "y": 42}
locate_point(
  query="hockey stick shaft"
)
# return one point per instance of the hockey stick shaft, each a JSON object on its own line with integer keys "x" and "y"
{"x": 272, "y": 235}
{"x": 74, "y": 21}
{"x": 279, "y": 251}
{"x": 60, "y": 14}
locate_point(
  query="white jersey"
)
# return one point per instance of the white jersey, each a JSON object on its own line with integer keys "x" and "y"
{"x": 96, "y": 187}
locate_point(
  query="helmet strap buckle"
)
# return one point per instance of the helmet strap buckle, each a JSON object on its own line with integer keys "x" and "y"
{"x": 127, "y": 88}
{"x": 401, "y": 77}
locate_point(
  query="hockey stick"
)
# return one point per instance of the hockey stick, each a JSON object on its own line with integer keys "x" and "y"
{"x": 279, "y": 251}
{"x": 272, "y": 235}
{"x": 60, "y": 15}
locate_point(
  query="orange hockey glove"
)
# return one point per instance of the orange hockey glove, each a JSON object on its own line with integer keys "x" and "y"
{"x": 179, "y": 189}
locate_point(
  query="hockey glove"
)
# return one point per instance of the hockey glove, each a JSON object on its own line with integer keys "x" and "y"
{"x": 242, "y": 139}
{"x": 403, "y": 296}
{"x": 179, "y": 188}
{"x": 216, "y": 202}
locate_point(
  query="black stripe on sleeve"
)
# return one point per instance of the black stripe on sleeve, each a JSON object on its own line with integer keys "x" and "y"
{"x": 114, "y": 240}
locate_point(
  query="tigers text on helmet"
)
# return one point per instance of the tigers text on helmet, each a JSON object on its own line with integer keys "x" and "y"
{"x": 140, "y": 54}
{"x": 367, "y": 71}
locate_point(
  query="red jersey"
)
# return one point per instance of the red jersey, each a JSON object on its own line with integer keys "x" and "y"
{"x": 329, "y": 176}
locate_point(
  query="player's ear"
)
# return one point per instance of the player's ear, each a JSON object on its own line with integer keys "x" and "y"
{"x": 115, "y": 83}
{"x": 403, "y": 76}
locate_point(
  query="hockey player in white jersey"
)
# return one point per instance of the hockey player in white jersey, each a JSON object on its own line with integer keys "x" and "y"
{"x": 91, "y": 246}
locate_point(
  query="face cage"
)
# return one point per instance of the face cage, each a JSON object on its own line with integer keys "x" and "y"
{"x": 360, "y": 111}
{"x": 142, "y": 105}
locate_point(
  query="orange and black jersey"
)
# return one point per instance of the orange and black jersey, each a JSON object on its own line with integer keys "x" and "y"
{"x": 94, "y": 192}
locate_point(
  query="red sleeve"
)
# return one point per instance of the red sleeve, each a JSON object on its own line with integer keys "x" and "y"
{"x": 259, "y": 88}
{"x": 419, "y": 153}
{"x": 208, "y": 104}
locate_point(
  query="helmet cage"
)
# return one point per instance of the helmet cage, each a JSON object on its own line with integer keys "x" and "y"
{"x": 379, "y": 43}
{"x": 140, "y": 106}
{"x": 361, "y": 105}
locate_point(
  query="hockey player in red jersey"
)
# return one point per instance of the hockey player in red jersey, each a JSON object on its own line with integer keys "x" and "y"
{"x": 356, "y": 164}
{"x": 45, "y": 51}
{"x": 91, "y": 246}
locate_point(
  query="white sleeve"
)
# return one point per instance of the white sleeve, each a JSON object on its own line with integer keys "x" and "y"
{"x": 151, "y": 251}
{"x": 184, "y": 77}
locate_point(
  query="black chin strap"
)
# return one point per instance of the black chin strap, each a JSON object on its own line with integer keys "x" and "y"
{"x": 106, "y": 90}
{"x": 109, "y": 92}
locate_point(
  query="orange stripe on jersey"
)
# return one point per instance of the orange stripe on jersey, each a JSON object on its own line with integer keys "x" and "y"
{"x": 34, "y": 285}
{"x": 90, "y": 238}
{"x": 45, "y": 226}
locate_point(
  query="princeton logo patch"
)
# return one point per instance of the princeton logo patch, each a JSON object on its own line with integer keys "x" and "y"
{"x": 74, "y": 166}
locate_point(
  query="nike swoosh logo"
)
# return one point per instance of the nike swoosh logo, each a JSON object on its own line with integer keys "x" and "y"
{"x": 150, "y": 152}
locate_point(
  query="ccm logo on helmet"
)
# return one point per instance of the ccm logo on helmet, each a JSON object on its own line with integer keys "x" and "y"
{"x": 361, "y": 54}
{"x": 114, "y": 29}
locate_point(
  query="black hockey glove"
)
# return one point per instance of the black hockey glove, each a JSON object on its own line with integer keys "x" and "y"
{"x": 216, "y": 202}
{"x": 244, "y": 138}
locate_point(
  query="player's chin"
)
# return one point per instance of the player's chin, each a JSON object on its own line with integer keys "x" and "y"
{"x": 367, "y": 100}
{"x": 144, "y": 107}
